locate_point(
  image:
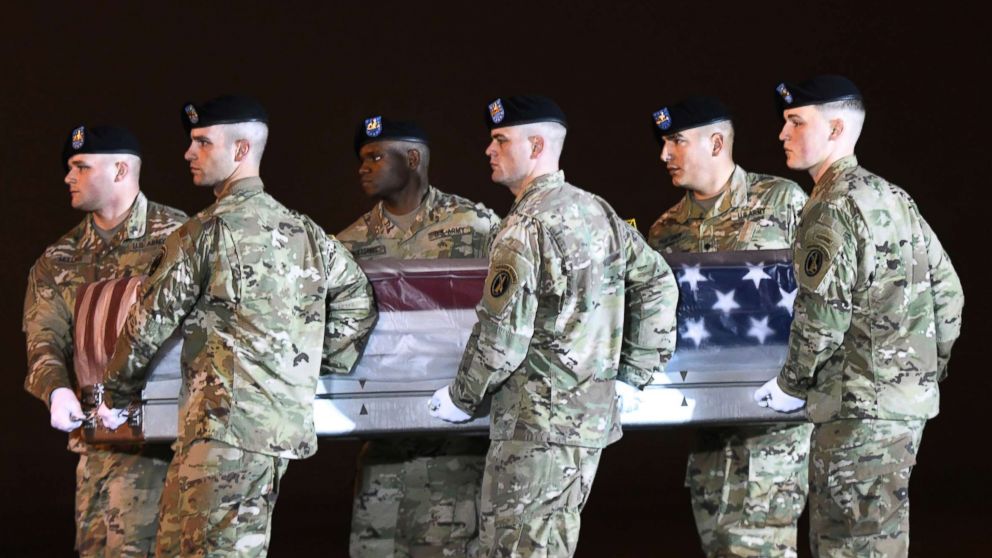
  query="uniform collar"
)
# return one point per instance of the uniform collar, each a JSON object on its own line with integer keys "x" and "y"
{"x": 837, "y": 168}
{"x": 134, "y": 223}
{"x": 380, "y": 224}
{"x": 241, "y": 188}
{"x": 550, "y": 180}
{"x": 734, "y": 196}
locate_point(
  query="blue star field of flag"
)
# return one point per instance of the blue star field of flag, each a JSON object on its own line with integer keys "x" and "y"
{"x": 747, "y": 302}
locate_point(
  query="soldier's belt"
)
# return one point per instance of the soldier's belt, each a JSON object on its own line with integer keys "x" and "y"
{"x": 734, "y": 317}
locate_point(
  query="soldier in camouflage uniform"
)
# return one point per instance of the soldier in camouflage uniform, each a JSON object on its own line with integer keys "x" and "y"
{"x": 748, "y": 484}
{"x": 575, "y": 301}
{"x": 117, "y": 487}
{"x": 416, "y": 496}
{"x": 878, "y": 309}
{"x": 266, "y": 301}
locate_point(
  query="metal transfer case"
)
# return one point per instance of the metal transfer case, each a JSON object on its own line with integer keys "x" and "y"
{"x": 734, "y": 314}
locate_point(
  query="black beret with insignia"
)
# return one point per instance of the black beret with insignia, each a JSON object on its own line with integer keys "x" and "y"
{"x": 378, "y": 128}
{"x": 819, "y": 90}
{"x": 99, "y": 139}
{"x": 692, "y": 112}
{"x": 523, "y": 109}
{"x": 226, "y": 109}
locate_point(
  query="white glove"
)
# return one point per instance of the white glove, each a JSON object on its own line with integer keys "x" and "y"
{"x": 770, "y": 395}
{"x": 630, "y": 397}
{"x": 441, "y": 407}
{"x": 111, "y": 418}
{"x": 67, "y": 413}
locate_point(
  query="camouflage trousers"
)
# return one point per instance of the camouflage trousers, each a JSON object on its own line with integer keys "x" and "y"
{"x": 748, "y": 488}
{"x": 117, "y": 499}
{"x": 532, "y": 498}
{"x": 218, "y": 501}
{"x": 418, "y": 498}
{"x": 859, "y": 487}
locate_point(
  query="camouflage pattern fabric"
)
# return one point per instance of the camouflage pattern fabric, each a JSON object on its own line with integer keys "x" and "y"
{"x": 419, "y": 496}
{"x": 756, "y": 212}
{"x": 879, "y": 303}
{"x": 878, "y": 310}
{"x": 267, "y": 301}
{"x": 747, "y": 484}
{"x": 533, "y": 498}
{"x": 859, "y": 504}
{"x": 222, "y": 503}
{"x": 117, "y": 498}
{"x": 574, "y": 300}
{"x": 126, "y": 479}
{"x": 446, "y": 226}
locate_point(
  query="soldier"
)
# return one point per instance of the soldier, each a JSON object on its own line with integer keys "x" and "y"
{"x": 266, "y": 301}
{"x": 878, "y": 309}
{"x": 117, "y": 487}
{"x": 747, "y": 483}
{"x": 574, "y": 301}
{"x": 416, "y": 496}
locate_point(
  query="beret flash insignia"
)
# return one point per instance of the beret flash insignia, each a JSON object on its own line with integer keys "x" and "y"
{"x": 191, "y": 114}
{"x": 373, "y": 126}
{"x": 662, "y": 119}
{"x": 78, "y": 137}
{"x": 496, "y": 112}
{"x": 784, "y": 92}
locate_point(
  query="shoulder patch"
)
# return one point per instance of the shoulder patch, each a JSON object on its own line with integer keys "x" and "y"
{"x": 817, "y": 249}
{"x": 504, "y": 277}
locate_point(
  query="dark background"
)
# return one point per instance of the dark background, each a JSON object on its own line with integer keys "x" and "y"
{"x": 320, "y": 68}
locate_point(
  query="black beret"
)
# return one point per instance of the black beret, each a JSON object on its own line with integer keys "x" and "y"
{"x": 99, "y": 139}
{"x": 227, "y": 109}
{"x": 816, "y": 91}
{"x": 692, "y": 112}
{"x": 378, "y": 128}
{"x": 523, "y": 109}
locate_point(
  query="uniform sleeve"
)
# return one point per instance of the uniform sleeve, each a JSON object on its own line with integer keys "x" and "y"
{"x": 351, "y": 311}
{"x": 649, "y": 316}
{"x": 48, "y": 327}
{"x": 948, "y": 299}
{"x": 791, "y": 209}
{"x": 825, "y": 260}
{"x": 502, "y": 335}
{"x": 166, "y": 298}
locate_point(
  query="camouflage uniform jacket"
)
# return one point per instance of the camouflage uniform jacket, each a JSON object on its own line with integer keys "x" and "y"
{"x": 879, "y": 303}
{"x": 266, "y": 300}
{"x": 80, "y": 257}
{"x": 757, "y": 212}
{"x": 574, "y": 300}
{"x": 446, "y": 226}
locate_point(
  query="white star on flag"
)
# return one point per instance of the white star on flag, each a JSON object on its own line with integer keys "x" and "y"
{"x": 756, "y": 273}
{"x": 692, "y": 276}
{"x": 696, "y": 330}
{"x": 759, "y": 329}
{"x": 788, "y": 298}
{"x": 725, "y": 302}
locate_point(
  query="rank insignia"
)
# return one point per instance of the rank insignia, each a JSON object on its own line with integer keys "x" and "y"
{"x": 191, "y": 114}
{"x": 78, "y": 137}
{"x": 373, "y": 126}
{"x": 784, "y": 92}
{"x": 662, "y": 119}
{"x": 496, "y": 112}
{"x": 632, "y": 222}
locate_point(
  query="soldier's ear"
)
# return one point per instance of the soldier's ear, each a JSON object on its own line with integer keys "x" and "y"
{"x": 536, "y": 146}
{"x": 413, "y": 158}
{"x": 241, "y": 149}
{"x": 836, "y": 128}
{"x": 717, "y": 139}
{"x": 122, "y": 169}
